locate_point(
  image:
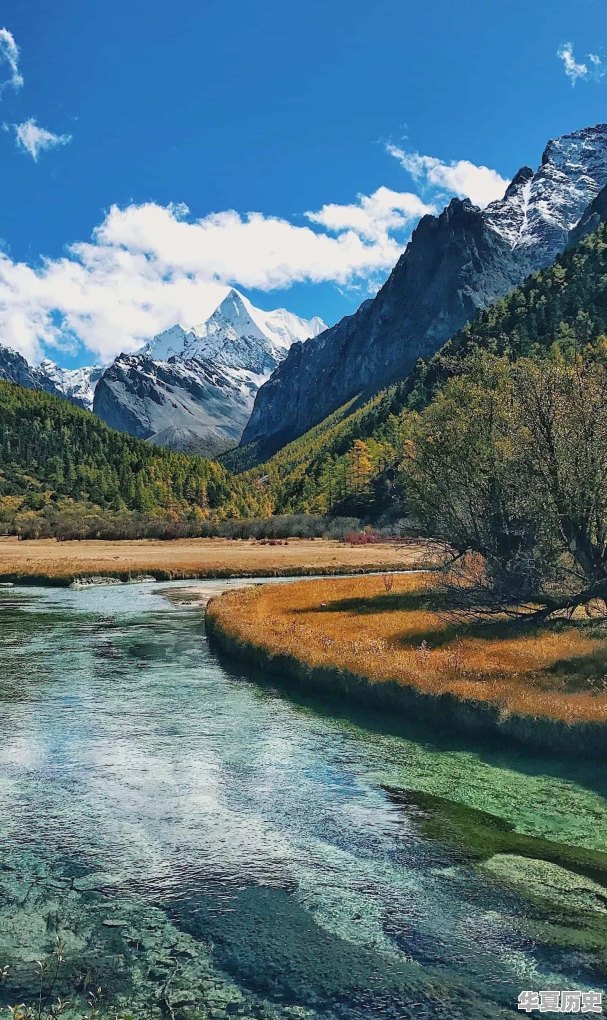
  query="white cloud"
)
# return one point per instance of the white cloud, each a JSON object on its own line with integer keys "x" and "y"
{"x": 598, "y": 68}
{"x": 374, "y": 214}
{"x": 35, "y": 139}
{"x": 149, "y": 266}
{"x": 9, "y": 54}
{"x": 575, "y": 71}
{"x": 460, "y": 177}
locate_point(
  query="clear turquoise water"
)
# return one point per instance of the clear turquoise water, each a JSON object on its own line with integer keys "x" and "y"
{"x": 209, "y": 846}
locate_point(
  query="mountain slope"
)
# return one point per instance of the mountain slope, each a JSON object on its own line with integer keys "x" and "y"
{"x": 53, "y": 453}
{"x": 454, "y": 265}
{"x": 194, "y": 389}
{"x": 564, "y": 305}
{"x": 190, "y": 405}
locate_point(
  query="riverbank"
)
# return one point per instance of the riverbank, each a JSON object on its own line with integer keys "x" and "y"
{"x": 48, "y": 562}
{"x": 393, "y": 643}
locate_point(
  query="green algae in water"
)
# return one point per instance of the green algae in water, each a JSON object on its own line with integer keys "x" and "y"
{"x": 561, "y": 800}
{"x": 565, "y": 886}
{"x": 566, "y": 910}
{"x": 480, "y": 835}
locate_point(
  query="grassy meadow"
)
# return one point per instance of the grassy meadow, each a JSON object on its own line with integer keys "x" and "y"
{"x": 399, "y": 629}
{"x": 49, "y": 561}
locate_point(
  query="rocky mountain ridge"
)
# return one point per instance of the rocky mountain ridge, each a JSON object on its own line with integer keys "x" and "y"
{"x": 456, "y": 264}
{"x": 542, "y": 207}
{"x": 76, "y": 384}
{"x": 195, "y": 406}
{"x": 193, "y": 389}
{"x": 14, "y": 368}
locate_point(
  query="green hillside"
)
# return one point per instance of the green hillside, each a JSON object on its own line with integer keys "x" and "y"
{"x": 63, "y": 469}
{"x": 341, "y": 461}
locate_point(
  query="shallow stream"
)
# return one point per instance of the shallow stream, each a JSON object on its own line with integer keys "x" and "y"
{"x": 204, "y": 844}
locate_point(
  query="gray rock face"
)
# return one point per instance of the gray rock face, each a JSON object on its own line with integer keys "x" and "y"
{"x": 14, "y": 368}
{"x": 455, "y": 265}
{"x": 192, "y": 406}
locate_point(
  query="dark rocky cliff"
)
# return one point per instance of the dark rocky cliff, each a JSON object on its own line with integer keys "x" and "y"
{"x": 595, "y": 214}
{"x": 453, "y": 266}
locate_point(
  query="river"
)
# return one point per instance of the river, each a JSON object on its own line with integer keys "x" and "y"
{"x": 205, "y": 844}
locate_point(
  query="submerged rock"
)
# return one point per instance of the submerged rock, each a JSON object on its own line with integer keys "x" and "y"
{"x": 87, "y": 582}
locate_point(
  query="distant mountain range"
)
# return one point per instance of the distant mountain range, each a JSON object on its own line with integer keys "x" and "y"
{"x": 455, "y": 265}
{"x": 188, "y": 389}
{"x": 14, "y": 368}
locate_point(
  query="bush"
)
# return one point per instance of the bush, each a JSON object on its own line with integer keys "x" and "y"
{"x": 366, "y": 537}
{"x": 67, "y": 520}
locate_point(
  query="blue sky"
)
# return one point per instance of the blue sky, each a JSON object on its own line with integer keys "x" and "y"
{"x": 274, "y": 108}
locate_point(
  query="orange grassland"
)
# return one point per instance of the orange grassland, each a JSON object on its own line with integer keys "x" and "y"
{"x": 50, "y": 561}
{"x": 401, "y": 635}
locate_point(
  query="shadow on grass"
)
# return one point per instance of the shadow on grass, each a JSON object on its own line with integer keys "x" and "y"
{"x": 438, "y": 603}
{"x": 582, "y": 672}
{"x": 452, "y": 624}
{"x": 388, "y": 602}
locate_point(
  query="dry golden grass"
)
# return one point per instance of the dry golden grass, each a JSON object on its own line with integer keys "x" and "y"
{"x": 46, "y": 559}
{"x": 357, "y": 625}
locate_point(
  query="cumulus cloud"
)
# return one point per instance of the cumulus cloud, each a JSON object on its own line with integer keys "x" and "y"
{"x": 575, "y": 71}
{"x": 373, "y": 215}
{"x": 35, "y": 139}
{"x": 148, "y": 266}
{"x": 9, "y": 60}
{"x": 460, "y": 177}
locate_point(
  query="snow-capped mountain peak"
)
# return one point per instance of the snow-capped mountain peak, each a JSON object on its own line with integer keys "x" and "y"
{"x": 194, "y": 388}
{"x": 237, "y": 335}
{"x": 234, "y": 311}
{"x": 168, "y": 344}
{"x": 540, "y": 208}
{"x": 77, "y": 384}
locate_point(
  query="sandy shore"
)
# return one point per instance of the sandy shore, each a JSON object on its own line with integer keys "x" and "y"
{"x": 47, "y": 561}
